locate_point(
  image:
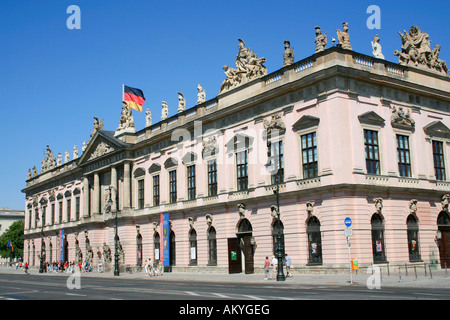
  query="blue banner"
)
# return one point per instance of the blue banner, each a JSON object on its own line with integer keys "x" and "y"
{"x": 165, "y": 230}
{"x": 61, "y": 245}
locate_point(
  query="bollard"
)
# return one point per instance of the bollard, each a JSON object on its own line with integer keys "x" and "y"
{"x": 431, "y": 275}
{"x": 446, "y": 269}
{"x": 399, "y": 275}
{"x": 425, "y": 268}
{"x": 388, "y": 269}
{"x": 415, "y": 272}
{"x": 406, "y": 269}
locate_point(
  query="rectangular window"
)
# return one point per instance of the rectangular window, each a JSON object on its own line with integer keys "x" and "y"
{"x": 191, "y": 182}
{"x": 403, "y": 156}
{"x": 77, "y": 208}
{"x": 309, "y": 155}
{"x": 276, "y": 161}
{"x": 242, "y": 170}
{"x": 68, "y": 207}
{"x": 140, "y": 194}
{"x": 372, "y": 152}
{"x": 173, "y": 186}
{"x": 212, "y": 178}
{"x": 438, "y": 159}
{"x": 156, "y": 190}
{"x": 44, "y": 210}
{"x": 52, "y": 217}
{"x": 60, "y": 211}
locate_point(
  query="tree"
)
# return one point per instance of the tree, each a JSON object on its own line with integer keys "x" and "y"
{"x": 14, "y": 234}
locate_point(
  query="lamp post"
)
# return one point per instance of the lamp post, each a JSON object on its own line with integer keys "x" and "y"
{"x": 280, "y": 236}
{"x": 41, "y": 259}
{"x": 116, "y": 236}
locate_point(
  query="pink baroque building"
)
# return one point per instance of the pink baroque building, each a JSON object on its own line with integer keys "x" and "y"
{"x": 339, "y": 134}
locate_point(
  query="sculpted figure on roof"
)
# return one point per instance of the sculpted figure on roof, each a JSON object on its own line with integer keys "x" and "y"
{"x": 248, "y": 67}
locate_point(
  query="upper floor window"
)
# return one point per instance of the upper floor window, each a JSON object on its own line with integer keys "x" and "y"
{"x": 156, "y": 190}
{"x": 173, "y": 186}
{"x": 276, "y": 161}
{"x": 191, "y": 182}
{"x": 438, "y": 160}
{"x": 309, "y": 155}
{"x": 403, "y": 156}
{"x": 140, "y": 194}
{"x": 242, "y": 170}
{"x": 212, "y": 178}
{"x": 372, "y": 152}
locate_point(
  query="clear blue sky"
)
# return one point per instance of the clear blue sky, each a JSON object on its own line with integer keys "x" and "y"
{"x": 54, "y": 80}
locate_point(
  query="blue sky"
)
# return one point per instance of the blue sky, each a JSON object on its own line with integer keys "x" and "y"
{"x": 54, "y": 80}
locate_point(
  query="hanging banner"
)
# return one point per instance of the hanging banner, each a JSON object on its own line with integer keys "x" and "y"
{"x": 61, "y": 245}
{"x": 165, "y": 244}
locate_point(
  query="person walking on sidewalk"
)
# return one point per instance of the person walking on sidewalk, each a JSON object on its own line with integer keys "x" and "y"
{"x": 287, "y": 262}
{"x": 274, "y": 264}
{"x": 267, "y": 268}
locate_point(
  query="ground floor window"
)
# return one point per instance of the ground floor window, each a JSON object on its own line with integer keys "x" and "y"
{"x": 378, "y": 247}
{"x": 314, "y": 241}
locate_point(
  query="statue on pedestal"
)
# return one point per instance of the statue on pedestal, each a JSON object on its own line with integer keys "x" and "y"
{"x": 148, "y": 118}
{"x": 344, "y": 37}
{"x": 98, "y": 125}
{"x": 181, "y": 102}
{"x": 248, "y": 67}
{"x": 376, "y": 47}
{"x": 288, "y": 54}
{"x": 320, "y": 40}
{"x": 126, "y": 119}
{"x": 201, "y": 95}
{"x": 164, "y": 111}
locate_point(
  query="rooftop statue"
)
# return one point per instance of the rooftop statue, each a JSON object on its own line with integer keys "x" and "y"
{"x": 49, "y": 162}
{"x": 248, "y": 67}
{"x": 376, "y": 48}
{"x": 201, "y": 95}
{"x": 320, "y": 40}
{"x": 288, "y": 54}
{"x": 416, "y": 51}
{"x": 343, "y": 36}
{"x": 181, "y": 102}
{"x": 98, "y": 125}
{"x": 126, "y": 118}
{"x": 164, "y": 111}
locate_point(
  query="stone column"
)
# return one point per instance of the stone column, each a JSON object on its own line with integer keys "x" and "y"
{"x": 114, "y": 189}
{"x": 96, "y": 194}
{"x": 126, "y": 185}
{"x": 86, "y": 192}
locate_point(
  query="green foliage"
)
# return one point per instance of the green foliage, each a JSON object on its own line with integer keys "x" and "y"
{"x": 14, "y": 234}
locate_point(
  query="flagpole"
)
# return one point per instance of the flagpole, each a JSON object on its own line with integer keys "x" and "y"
{"x": 123, "y": 92}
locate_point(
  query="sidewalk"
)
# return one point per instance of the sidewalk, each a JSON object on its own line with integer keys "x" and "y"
{"x": 438, "y": 278}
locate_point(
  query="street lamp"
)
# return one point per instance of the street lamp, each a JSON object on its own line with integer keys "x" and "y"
{"x": 41, "y": 260}
{"x": 280, "y": 236}
{"x": 116, "y": 236}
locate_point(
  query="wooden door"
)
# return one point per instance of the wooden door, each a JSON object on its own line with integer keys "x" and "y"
{"x": 445, "y": 248}
{"x": 248, "y": 255}
{"x": 234, "y": 256}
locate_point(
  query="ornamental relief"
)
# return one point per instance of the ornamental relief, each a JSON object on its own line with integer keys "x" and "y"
{"x": 101, "y": 149}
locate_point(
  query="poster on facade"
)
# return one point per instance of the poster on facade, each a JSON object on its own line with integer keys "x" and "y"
{"x": 165, "y": 244}
{"x": 61, "y": 245}
{"x": 379, "y": 246}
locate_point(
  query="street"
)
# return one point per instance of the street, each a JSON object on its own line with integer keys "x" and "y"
{"x": 61, "y": 287}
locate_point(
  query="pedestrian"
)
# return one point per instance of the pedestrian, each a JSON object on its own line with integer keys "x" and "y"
{"x": 26, "y": 267}
{"x": 287, "y": 262}
{"x": 274, "y": 266}
{"x": 147, "y": 267}
{"x": 267, "y": 268}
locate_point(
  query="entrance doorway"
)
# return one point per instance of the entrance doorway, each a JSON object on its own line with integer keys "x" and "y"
{"x": 246, "y": 243}
{"x": 443, "y": 238}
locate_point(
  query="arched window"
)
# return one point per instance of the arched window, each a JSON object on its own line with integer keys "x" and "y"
{"x": 378, "y": 247}
{"x": 277, "y": 228}
{"x": 245, "y": 226}
{"x": 314, "y": 241}
{"x": 413, "y": 238}
{"x": 192, "y": 247}
{"x": 212, "y": 247}
{"x": 443, "y": 238}
{"x": 157, "y": 245}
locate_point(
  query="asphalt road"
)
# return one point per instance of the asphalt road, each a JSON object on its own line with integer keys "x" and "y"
{"x": 61, "y": 287}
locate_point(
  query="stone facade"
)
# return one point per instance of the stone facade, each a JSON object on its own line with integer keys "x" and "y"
{"x": 333, "y": 123}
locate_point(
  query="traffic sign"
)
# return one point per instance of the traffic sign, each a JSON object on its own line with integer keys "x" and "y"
{"x": 348, "y": 232}
{"x": 348, "y": 222}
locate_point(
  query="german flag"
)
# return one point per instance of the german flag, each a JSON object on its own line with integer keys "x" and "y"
{"x": 134, "y": 98}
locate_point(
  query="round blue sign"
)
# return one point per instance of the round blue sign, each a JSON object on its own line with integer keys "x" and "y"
{"x": 348, "y": 222}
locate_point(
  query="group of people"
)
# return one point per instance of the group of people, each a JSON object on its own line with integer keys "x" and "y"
{"x": 67, "y": 267}
{"x": 153, "y": 268}
{"x": 274, "y": 264}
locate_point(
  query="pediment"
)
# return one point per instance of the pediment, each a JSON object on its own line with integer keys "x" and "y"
{"x": 437, "y": 129}
{"x": 306, "y": 122}
{"x": 102, "y": 144}
{"x": 371, "y": 117}
{"x": 240, "y": 140}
